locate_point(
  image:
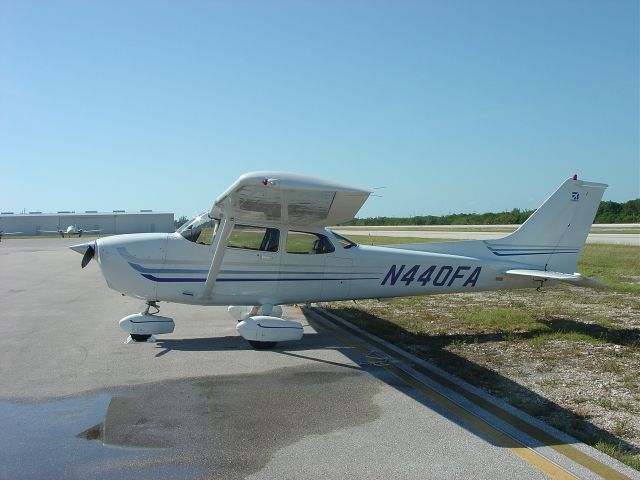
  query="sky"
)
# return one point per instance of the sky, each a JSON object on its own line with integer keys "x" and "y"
{"x": 451, "y": 106}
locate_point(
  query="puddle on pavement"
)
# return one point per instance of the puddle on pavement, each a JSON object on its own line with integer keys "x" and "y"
{"x": 214, "y": 427}
{"x": 39, "y": 440}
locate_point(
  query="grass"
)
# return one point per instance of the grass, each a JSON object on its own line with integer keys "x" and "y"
{"x": 611, "y": 366}
{"x": 564, "y": 325}
{"x": 502, "y": 319}
{"x": 382, "y": 240}
{"x": 617, "y": 265}
{"x": 541, "y": 340}
{"x": 615, "y": 231}
{"x": 607, "y": 403}
{"x": 475, "y": 228}
{"x": 614, "y": 451}
{"x": 622, "y": 427}
{"x": 441, "y": 228}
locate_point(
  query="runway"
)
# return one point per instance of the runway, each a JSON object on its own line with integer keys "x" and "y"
{"x": 460, "y": 233}
{"x": 77, "y": 402}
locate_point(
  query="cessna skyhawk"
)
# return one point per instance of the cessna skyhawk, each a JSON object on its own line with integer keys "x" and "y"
{"x": 265, "y": 243}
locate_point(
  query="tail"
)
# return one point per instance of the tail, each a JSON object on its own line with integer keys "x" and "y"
{"x": 553, "y": 237}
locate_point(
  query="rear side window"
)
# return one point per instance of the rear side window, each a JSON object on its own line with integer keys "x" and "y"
{"x": 254, "y": 238}
{"x": 308, "y": 243}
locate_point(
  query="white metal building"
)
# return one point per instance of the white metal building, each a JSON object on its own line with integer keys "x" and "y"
{"x": 115, "y": 222}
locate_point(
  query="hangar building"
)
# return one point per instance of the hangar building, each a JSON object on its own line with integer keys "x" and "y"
{"x": 118, "y": 221}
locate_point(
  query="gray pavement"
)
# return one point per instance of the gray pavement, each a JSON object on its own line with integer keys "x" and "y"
{"x": 76, "y": 402}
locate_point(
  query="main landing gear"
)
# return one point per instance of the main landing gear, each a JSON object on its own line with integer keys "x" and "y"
{"x": 255, "y": 324}
{"x": 142, "y": 326}
{"x": 262, "y": 326}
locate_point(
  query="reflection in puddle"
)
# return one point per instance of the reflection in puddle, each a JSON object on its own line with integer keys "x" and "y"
{"x": 41, "y": 440}
{"x": 225, "y": 426}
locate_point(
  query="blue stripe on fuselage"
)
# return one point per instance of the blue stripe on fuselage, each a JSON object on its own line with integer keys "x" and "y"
{"x": 141, "y": 269}
{"x": 202, "y": 280}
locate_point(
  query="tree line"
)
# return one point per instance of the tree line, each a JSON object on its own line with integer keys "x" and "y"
{"x": 608, "y": 212}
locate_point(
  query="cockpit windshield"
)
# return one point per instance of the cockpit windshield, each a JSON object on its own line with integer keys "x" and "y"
{"x": 344, "y": 241}
{"x": 201, "y": 229}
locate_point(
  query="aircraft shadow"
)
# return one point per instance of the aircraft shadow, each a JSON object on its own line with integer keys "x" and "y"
{"x": 310, "y": 341}
{"x": 434, "y": 351}
{"x": 500, "y": 386}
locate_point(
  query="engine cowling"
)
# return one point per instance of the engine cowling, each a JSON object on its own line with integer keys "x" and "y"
{"x": 269, "y": 329}
{"x": 141, "y": 324}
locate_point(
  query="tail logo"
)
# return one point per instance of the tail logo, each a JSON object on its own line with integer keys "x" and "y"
{"x": 575, "y": 196}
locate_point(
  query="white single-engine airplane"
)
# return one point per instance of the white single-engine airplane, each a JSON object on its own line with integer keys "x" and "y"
{"x": 264, "y": 243}
{"x": 70, "y": 230}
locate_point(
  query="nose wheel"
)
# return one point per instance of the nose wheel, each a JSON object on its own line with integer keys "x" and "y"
{"x": 140, "y": 338}
{"x": 142, "y": 326}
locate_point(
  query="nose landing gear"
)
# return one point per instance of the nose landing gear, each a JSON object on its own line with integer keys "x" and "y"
{"x": 142, "y": 326}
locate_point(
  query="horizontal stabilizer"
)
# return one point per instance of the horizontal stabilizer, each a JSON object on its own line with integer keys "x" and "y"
{"x": 574, "y": 278}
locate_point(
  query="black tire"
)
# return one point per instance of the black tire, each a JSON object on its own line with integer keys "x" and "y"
{"x": 262, "y": 345}
{"x": 139, "y": 338}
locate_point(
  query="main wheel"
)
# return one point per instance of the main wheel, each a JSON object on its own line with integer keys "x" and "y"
{"x": 140, "y": 338}
{"x": 261, "y": 345}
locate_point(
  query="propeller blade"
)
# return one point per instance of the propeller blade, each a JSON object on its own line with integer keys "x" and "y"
{"x": 88, "y": 255}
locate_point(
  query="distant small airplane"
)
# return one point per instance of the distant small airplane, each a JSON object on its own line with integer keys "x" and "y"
{"x": 70, "y": 230}
{"x": 264, "y": 243}
{"x": 2, "y": 232}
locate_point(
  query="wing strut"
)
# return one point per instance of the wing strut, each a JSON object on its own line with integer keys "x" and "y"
{"x": 219, "y": 246}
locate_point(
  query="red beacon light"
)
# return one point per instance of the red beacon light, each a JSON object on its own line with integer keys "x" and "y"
{"x": 575, "y": 176}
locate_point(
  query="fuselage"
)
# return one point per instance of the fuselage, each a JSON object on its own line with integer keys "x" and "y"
{"x": 271, "y": 264}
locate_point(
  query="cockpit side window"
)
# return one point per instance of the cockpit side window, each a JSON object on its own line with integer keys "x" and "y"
{"x": 306, "y": 242}
{"x": 254, "y": 238}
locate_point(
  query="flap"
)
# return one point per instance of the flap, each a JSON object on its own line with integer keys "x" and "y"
{"x": 290, "y": 199}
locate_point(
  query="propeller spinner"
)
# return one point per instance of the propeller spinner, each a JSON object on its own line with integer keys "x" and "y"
{"x": 87, "y": 249}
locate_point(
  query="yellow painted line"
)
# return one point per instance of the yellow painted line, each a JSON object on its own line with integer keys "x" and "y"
{"x": 499, "y": 437}
{"x": 533, "y": 458}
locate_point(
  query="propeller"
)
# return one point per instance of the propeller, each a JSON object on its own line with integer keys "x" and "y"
{"x": 88, "y": 255}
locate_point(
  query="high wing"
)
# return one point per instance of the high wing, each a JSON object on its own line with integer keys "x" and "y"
{"x": 282, "y": 198}
{"x": 291, "y": 199}
{"x": 91, "y": 231}
{"x": 573, "y": 278}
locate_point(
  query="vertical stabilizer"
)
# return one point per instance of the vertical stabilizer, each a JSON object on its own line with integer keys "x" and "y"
{"x": 553, "y": 237}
